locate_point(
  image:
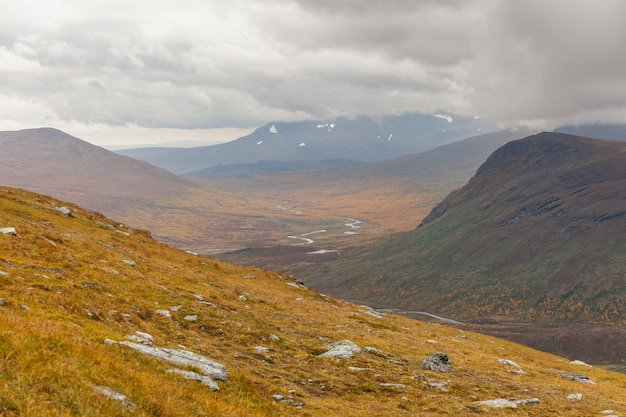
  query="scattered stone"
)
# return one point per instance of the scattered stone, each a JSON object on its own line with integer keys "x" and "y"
{"x": 525, "y": 401}
{"x": 374, "y": 351}
{"x": 261, "y": 349}
{"x": 143, "y": 338}
{"x": 130, "y": 262}
{"x": 442, "y": 386}
{"x": 248, "y": 276}
{"x": 115, "y": 395}
{"x": 24, "y": 307}
{"x": 4, "y": 273}
{"x": 432, "y": 342}
{"x": 176, "y": 308}
{"x": 3, "y": 302}
{"x": 388, "y": 385}
{"x": 194, "y": 376}
{"x": 439, "y": 362}
{"x": 199, "y": 297}
{"x": 64, "y": 211}
{"x": 8, "y": 231}
{"x": 111, "y": 271}
{"x": 206, "y": 303}
{"x": 396, "y": 362}
{"x": 576, "y": 377}
{"x": 179, "y": 357}
{"x": 575, "y": 397}
{"x": 516, "y": 368}
{"x": 91, "y": 285}
{"x": 243, "y": 297}
{"x": 577, "y": 362}
{"x": 165, "y": 313}
{"x": 191, "y": 317}
{"x": 274, "y": 337}
{"x": 498, "y": 403}
{"x": 355, "y": 369}
{"x": 342, "y": 349}
{"x": 278, "y": 397}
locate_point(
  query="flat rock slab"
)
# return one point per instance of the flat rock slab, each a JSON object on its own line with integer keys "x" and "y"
{"x": 342, "y": 349}
{"x": 179, "y": 357}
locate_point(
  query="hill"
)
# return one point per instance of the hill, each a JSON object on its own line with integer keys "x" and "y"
{"x": 50, "y": 161}
{"x": 362, "y": 139}
{"x": 98, "y": 319}
{"x": 536, "y": 235}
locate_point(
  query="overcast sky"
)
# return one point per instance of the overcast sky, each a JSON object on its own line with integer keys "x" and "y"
{"x": 146, "y": 71}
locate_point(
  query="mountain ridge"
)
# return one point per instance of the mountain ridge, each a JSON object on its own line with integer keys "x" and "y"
{"x": 534, "y": 234}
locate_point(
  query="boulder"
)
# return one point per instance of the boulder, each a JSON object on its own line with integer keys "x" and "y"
{"x": 342, "y": 349}
{"x": 439, "y": 362}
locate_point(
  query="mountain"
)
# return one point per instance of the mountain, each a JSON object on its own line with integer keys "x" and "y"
{"x": 386, "y": 196}
{"x": 362, "y": 139}
{"x": 263, "y": 167}
{"x": 98, "y": 319}
{"x": 597, "y": 131}
{"x": 50, "y": 161}
{"x": 536, "y": 235}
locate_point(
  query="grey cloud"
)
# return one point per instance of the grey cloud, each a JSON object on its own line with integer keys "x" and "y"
{"x": 243, "y": 63}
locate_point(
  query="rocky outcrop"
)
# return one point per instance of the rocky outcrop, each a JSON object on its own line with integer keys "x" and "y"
{"x": 439, "y": 362}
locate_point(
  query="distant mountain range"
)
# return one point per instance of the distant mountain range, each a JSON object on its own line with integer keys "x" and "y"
{"x": 536, "y": 234}
{"x": 363, "y": 139}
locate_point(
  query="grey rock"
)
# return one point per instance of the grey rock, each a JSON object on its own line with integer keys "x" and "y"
{"x": 8, "y": 231}
{"x": 261, "y": 349}
{"x": 194, "y": 376}
{"x": 115, "y": 395}
{"x": 342, "y": 349}
{"x": 64, "y": 211}
{"x": 498, "y": 403}
{"x": 576, "y": 377}
{"x": 439, "y": 362}
{"x": 575, "y": 397}
{"x": 388, "y": 385}
{"x": 191, "y": 317}
{"x": 163, "y": 312}
{"x": 179, "y": 357}
{"x": 130, "y": 262}
{"x": 516, "y": 368}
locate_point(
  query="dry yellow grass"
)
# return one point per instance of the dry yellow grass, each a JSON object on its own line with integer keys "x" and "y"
{"x": 71, "y": 274}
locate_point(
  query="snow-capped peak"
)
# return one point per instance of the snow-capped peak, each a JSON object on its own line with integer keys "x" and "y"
{"x": 273, "y": 129}
{"x": 302, "y": 144}
{"x": 329, "y": 126}
{"x": 445, "y": 117}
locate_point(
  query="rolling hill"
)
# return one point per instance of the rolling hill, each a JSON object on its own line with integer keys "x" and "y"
{"x": 361, "y": 139}
{"x": 98, "y": 319}
{"x": 536, "y": 235}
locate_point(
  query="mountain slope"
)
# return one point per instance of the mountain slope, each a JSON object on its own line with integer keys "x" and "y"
{"x": 362, "y": 139}
{"x": 53, "y": 162}
{"x": 83, "y": 299}
{"x": 536, "y": 234}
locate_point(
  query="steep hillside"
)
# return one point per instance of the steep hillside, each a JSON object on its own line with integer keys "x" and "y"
{"x": 536, "y": 234}
{"x": 98, "y": 319}
{"x": 361, "y": 138}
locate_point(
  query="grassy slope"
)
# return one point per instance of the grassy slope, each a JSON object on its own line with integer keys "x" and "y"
{"x": 53, "y": 353}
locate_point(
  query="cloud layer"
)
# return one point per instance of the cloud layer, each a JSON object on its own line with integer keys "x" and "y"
{"x": 189, "y": 64}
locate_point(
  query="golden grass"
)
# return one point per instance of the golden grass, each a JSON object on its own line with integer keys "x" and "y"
{"x": 70, "y": 273}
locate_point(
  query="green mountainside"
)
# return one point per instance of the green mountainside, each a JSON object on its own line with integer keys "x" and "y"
{"x": 536, "y": 234}
{"x": 98, "y": 319}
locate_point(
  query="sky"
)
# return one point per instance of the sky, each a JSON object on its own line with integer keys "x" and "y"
{"x": 148, "y": 71}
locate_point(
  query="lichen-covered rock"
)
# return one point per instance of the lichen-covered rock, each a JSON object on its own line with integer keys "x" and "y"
{"x": 439, "y": 362}
{"x": 342, "y": 349}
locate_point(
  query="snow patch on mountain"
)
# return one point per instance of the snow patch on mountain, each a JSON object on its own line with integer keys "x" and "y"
{"x": 389, "y": 138}
{"x": 302, "y": 144}
{"x": 259, "y": 142}
{"x": 445, "y": 117}
{"x": 328, "y": 126}
{"x": 273, "y": 129}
